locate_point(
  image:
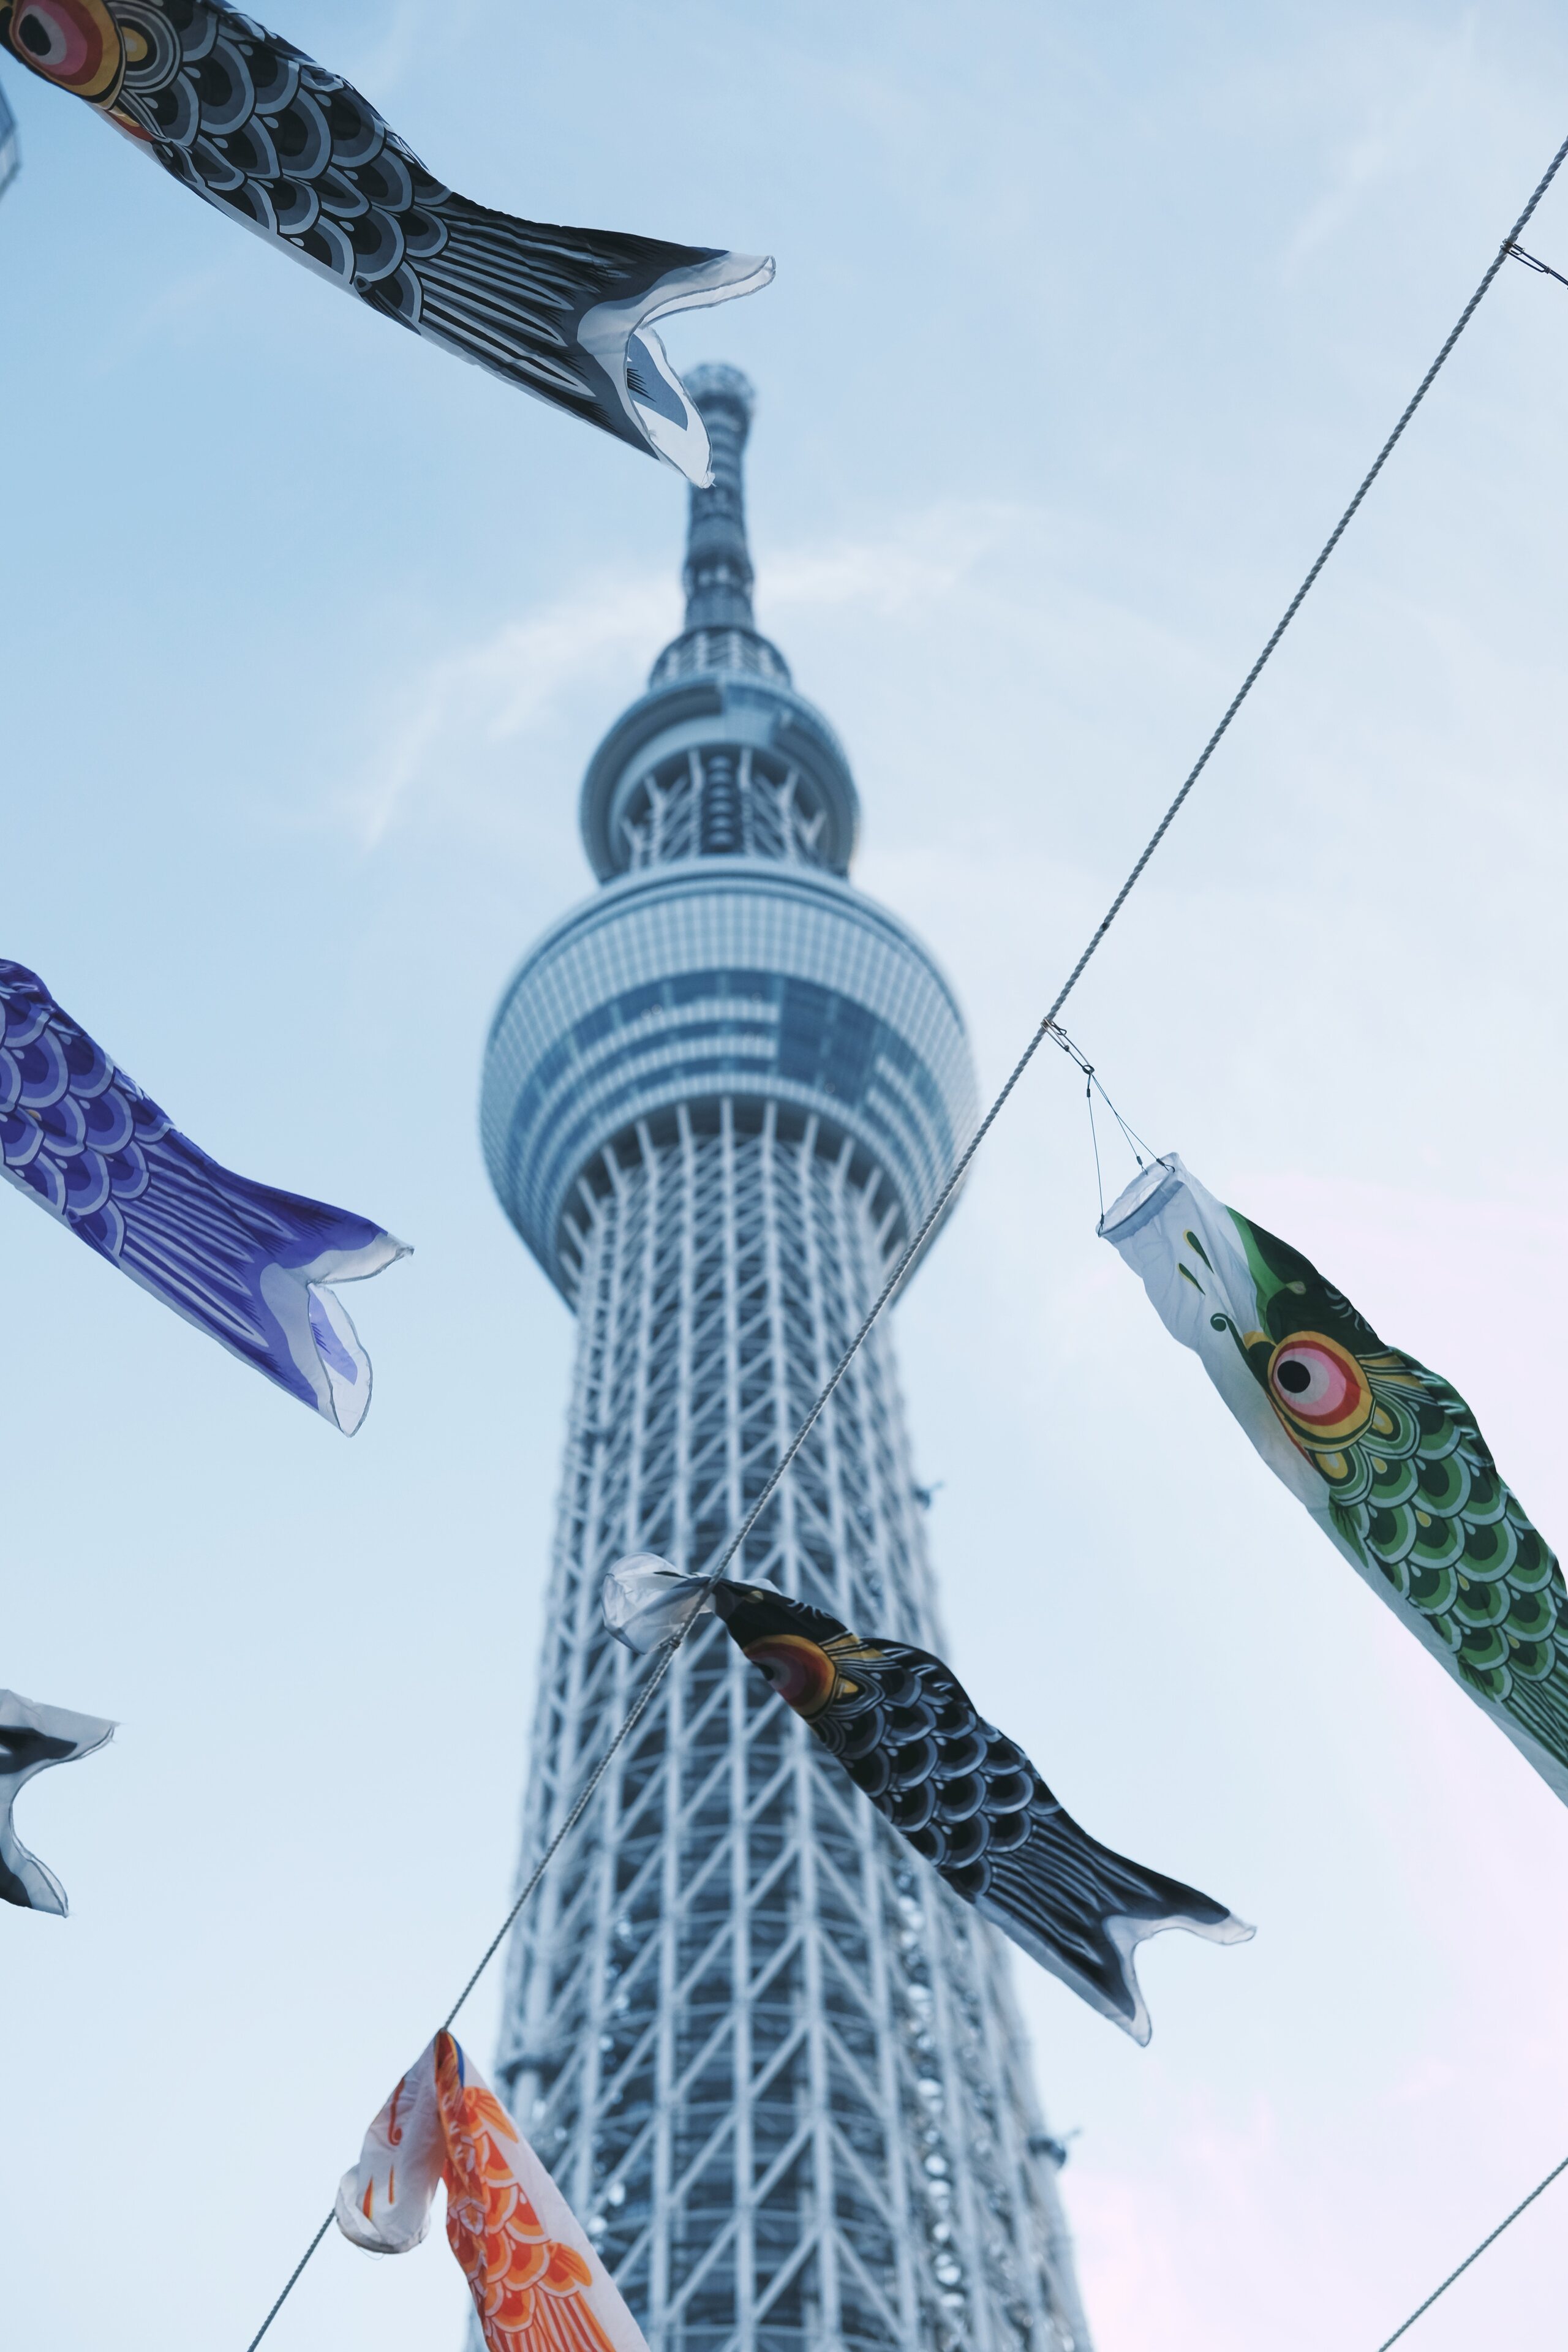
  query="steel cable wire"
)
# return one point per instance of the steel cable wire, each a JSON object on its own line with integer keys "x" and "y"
{"x": 666, "y": 1654}
{"x": 1405, "y": 2325}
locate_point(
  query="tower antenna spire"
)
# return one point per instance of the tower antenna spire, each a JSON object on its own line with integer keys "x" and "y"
{"x": 717, "y": 575}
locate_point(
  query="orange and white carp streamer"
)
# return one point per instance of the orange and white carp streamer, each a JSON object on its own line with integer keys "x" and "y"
{"x": 537, "y": 2284}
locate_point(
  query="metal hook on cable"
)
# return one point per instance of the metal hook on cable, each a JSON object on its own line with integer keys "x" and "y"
{"x": 1530, "y": 261}
{"x": 1058, "y": 1037}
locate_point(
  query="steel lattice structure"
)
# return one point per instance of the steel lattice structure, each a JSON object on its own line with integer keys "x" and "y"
{"x": 774, "y": 2062}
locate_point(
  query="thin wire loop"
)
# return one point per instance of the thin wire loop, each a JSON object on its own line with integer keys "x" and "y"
{"x": 938, "y": 1208}
{"x": 1094, "y": 1138}
{"x": 1136, "y": 1144}
{"x": 1534, "y": 261}
{"x": 1555, "y": 2172}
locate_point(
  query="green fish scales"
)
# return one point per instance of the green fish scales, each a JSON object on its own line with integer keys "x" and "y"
{"x": 1415, "y": 1491}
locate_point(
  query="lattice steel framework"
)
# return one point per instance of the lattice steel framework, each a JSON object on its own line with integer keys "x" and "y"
{"x": 771, "y": 2061}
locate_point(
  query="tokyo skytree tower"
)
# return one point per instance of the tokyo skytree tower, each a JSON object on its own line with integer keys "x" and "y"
{"x": 772, "y": 2063}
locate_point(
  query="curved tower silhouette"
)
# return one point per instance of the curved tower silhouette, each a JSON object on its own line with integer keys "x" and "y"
{"x": 773, "y": 2064}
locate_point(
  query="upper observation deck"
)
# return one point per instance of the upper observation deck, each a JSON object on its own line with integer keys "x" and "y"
{"x": 721, "y": 757}
{"x": 728, "y": 958}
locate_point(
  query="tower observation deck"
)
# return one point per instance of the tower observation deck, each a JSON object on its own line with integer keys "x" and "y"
{"x": 773, "y": 2064}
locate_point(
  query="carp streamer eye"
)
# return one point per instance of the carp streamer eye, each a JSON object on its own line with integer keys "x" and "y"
{"x": 75, "y": 43}
{"x": 801, "y": 1674}
{"x": 1319, "y": 1386}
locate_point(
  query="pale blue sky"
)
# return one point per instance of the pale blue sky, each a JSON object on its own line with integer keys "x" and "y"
{"x": 1085, "y": 323}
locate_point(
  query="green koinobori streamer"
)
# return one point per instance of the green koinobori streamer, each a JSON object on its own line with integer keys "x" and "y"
{"x": 1385, "y": 1453}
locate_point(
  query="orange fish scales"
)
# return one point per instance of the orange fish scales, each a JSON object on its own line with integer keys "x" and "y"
{"x": 470, "y": 2251}
{"x": 506, "y": 2201}
{"x": 492, "y": 2162}
{"x": 530, "y": 2259}
{"x": 500, "y": 2207}
{"x": 516, "y": 2308}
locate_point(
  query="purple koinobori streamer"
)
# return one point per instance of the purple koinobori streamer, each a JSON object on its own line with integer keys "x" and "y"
{"x": 244, "y": 1263}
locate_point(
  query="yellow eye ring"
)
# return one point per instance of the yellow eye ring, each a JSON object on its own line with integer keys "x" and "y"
{"x": 1319, "y": 1389}
{"x": 75, "y": 44}
{"x": 802, "y": 1674}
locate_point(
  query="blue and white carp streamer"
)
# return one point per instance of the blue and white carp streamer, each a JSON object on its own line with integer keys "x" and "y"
{"x": 244, "y": 1263}
{"x": 254, "y": 127}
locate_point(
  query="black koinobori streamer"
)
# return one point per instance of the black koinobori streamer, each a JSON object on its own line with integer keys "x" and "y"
{"x": 964, "y": 1795}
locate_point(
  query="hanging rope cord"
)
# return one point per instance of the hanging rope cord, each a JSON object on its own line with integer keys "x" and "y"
{"x": 914, "y": 1247}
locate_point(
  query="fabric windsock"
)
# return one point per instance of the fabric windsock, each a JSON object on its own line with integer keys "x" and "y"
{"x": 294, "y": 153}
{"x": 966, "y": 1797}
{"x": 32, "y": 1737}
{"x": 245, "y": 1264}
{"x": 537, "y": 2284}
{"x": 1385, "y": 1453}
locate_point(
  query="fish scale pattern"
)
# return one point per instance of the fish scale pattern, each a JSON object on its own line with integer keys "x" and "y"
{"x": 769, "y": 2057}
{"x": 73, "y": 1128}
{"x": 1423, "y": 1497}
{"x": 968, "y": 1799}
{"x": 1412, "y": 1490}
{"x": 297, "y": 155}
{"x": 242, "y": 1261}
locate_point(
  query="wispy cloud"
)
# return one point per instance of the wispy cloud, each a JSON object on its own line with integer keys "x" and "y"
{"x": 515, "y": 680}
{"x": 928, "y": 558}
{"x": 500, "y": 687}
{"x": 1391, "y": 140}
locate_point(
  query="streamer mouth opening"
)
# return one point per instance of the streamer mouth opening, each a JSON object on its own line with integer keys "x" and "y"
{"x": 1142, "y": 1200}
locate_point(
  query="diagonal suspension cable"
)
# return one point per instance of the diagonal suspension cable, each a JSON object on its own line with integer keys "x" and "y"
{"x": 1491, "y": 2239}
{"x": 911, "y": 1252}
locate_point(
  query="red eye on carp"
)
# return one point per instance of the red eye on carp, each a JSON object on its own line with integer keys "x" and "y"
{"x": 802, "y": 1674}
{"x": 1319, "y": 1386}
{"x": 75, "y": 43}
